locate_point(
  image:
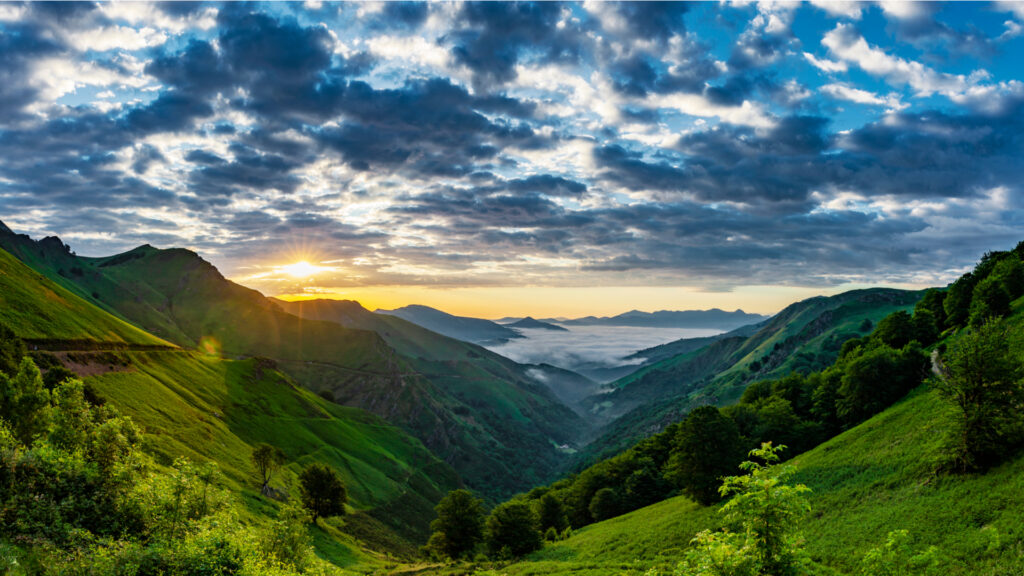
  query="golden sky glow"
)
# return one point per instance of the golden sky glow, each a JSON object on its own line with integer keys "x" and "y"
{"x": 550, "y": 302}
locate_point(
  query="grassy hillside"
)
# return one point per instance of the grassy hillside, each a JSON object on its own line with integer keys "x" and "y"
{"x": 37, "y": 308}
{"x": 804, "y": 337}
{"x": 868, "y": 481}
{"x": 210, "y": 409}
{"x": 500, "y": 428}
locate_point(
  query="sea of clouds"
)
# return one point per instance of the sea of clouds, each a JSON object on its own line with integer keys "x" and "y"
{"x": 605, "y": 346}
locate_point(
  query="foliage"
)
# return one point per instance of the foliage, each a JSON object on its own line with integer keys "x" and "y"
{"x": 459, "y": 525}
{"x": 551, "y": 513}
{"x": 605, "y": 504}
{"x": 895, "y": 330}
{"x": 989, "y": 300}
{"x": 876, "y": 378}
{"x": 512, "y": 530}
{"x": 25, "y": 402}
{"x": 982, "y": 381}
{"x": 322, "y": 492}
{"x": 11, "y": 351}
{"x": 896, "y": 558}
{"x": 768, "y": 510}
{"x": 707, "y": 447}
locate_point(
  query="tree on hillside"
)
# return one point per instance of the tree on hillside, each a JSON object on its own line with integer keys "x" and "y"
{"x": 1010, "y": 272}
{"x": 877, "y": 378}
{"x": 958, "y": 300}
{"x": 605, "y": 504}
{"x": 707, "y": 447}
{"x": 768, "y": 509}
{"x": 11, "y": 351}
{"x": 267, "y": 459}
{"x": 895, "y": 330}
{"x": 322, "y": 491}
{"x": 459, "y": 525}
{"x": 990, "y": 300}
{"x": 932, "y": 301}
{"x": 512, "y": 530}
{"x": 25, "y": 402}
{"x": 552, "y": 513}
{"x": 982, "y": 379}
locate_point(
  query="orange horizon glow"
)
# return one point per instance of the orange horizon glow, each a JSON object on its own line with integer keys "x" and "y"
{"x": 570, "y": 302}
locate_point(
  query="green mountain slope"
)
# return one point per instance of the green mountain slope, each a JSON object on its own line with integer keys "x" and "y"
{"x": 872, "y": 479}
{"x": 499, "y": 428}
{"x": 803, "y": 337}
{"x": 39, "y": 309}
{"x": 210, "y": 409}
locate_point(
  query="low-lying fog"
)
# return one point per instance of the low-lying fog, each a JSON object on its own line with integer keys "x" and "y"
{"x": 591, "y": 350}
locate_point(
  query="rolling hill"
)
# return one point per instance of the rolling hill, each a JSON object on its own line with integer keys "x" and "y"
{"x": 212, "y": 409}
{"x": 500, "y": 428}
{"x": 803, "y": 337}
{"x": 475, "y": 330}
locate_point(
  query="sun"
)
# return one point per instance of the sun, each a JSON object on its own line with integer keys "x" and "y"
{"x": 301, "y": 269}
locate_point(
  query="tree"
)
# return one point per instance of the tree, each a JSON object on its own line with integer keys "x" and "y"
{"x": 459, "y": 525}
{"x": 707, "y": 447}
{"x": 605, "y": 504}
{"x": 990, "y": 300}
{"x": 25, "y": 402}
{"x": 895, "y": 330}
{"x": 958, "y": 300}
{"x": 982, "y": 381}
{"x": 512, "y": 530}
{"x": 267, "y": 459}
{"x": 12, "y": 349}
{"x": 768, "y": 510}
{"x": 877, "y": 378}
{"x": 926, "y": 327}
{"x": 552, "y": 513}
{"x": 1010, "y": 273}
{"x": 322, "y": 491}
{"x": 933, "y": 301}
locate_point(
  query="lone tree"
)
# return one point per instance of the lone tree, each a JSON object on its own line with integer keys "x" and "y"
{"x": 322, "y": 491}
{"x": 982, "y": 380}
{"x": 459, "y": 525}
{"x": 267, "y": 459}
{"x": 512, "y": 530}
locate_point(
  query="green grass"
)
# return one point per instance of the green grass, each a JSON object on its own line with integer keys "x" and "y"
{"x": 212, "y": 409}
{"x": 473, "y": 408}
{"x": 35, "y": 307}
{"x": 877, "y": 477}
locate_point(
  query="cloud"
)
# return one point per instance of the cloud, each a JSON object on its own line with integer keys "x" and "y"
{"x": 845, "y": 92}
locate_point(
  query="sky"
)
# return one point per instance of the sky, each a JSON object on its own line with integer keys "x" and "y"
{"x": 503, "y": 159}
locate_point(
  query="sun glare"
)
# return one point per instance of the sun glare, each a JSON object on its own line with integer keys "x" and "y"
{"x": 301, "y": 269}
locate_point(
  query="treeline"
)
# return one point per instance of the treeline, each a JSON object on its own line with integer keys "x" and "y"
{"x": 800, "y": 411}
{"x": 79, "y": 496}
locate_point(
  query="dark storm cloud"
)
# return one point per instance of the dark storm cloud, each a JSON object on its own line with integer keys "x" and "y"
{"x": 496, "y": 35}
{"x": 432, "y": 126}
